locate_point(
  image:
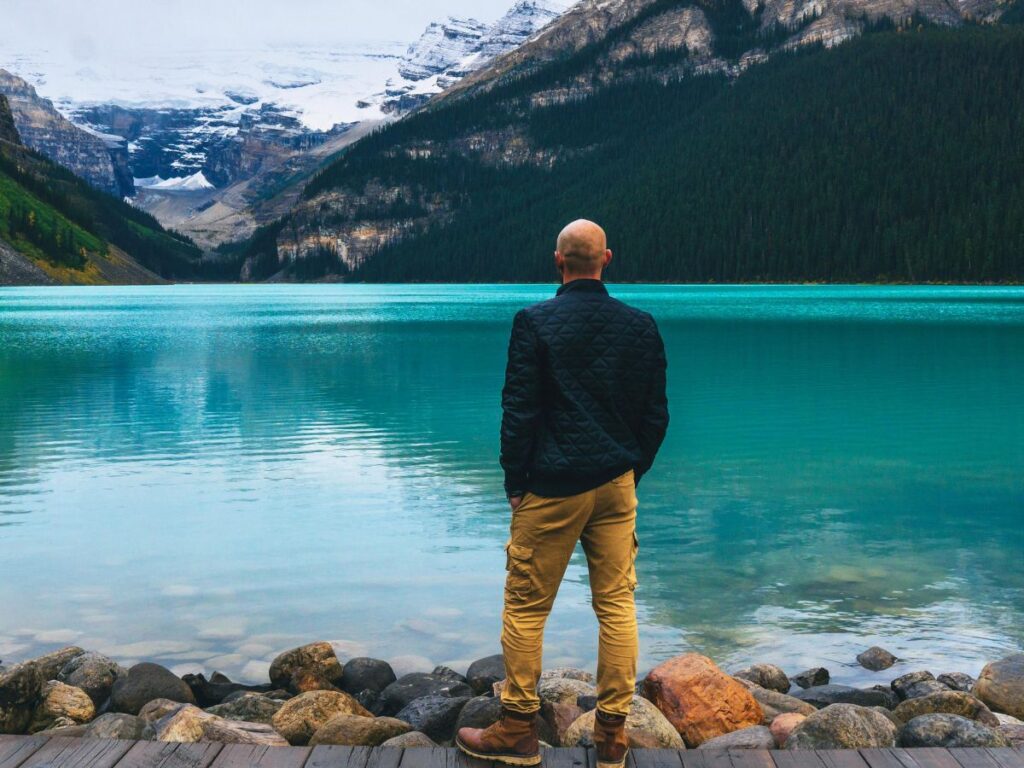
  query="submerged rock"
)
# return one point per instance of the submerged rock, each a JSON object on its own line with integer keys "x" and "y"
{"x": 646, "y": 727}
{"x": 843, "y": 726}
{"x": 145, "y": 682}
{"x": 1001, "y": 685}
{"x": 754, "y": 737}
{"x": 357, "y": 731}
{"x": 944, "y": 730}
{"x": 876, "y": 659}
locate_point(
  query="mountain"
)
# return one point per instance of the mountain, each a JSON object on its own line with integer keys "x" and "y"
{"x": 99, "y": 159}
{"x": 718, "y": 141}
{"x": 57, "y": 228}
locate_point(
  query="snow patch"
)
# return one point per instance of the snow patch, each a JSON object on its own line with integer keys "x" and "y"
{"x": 194, "y": 183}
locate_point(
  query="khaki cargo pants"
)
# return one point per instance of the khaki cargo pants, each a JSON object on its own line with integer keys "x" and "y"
{"x": 544, "y": 534}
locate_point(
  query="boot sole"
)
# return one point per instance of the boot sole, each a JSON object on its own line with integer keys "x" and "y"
{"x": 621, "y": 764}
{"x": 498, "y": 757}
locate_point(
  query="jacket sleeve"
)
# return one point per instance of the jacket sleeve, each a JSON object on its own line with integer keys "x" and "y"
{"x": 520, "y": 404}
{"x": 654, "y": 421}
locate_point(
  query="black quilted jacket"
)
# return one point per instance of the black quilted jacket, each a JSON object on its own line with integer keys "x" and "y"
{"x": 584, "y": 397}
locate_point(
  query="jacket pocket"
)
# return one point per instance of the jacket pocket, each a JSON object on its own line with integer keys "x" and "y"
{"x": 519, "y": 564}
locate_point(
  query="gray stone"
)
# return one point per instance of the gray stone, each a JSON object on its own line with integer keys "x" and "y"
{"x": 1014, "y": 734}
{"x": 915, "y": 684}
{"x": 567, "y": 673}
{"x": 417, "y": 685}
{"x": 410, "y": 740}
{"x": 824, "y": 695}
{"x": 158, "y": 708}
{"x": 957, "y": 681}
{"x": 811, "y": 678}
{"x": 646, "y": 727}
{"x": 948, "y": 702}
{"x": 767, "y": 676}
{"x": 484, "y": 673}
{"x": 94, "y": 673}
{"x": 448, "y": 673}
{"x": 843, "y": 726}
{"x": 366, "y": 674}
{"x": 944, "y": 730}
{"x": 250, "y": 707}
{"x": 144, "y": 683}
{"x": 113, "y": 725}
{"x": 434, "y": 715}
{"x": 876, "y": 659}
{"x": 774, "y": 704}
{"x": 754, "y": 737}
{"x": 479, "y": 712}
{"x": 1001, "y": 685}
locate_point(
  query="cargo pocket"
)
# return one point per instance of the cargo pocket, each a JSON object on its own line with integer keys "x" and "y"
{"x": 519, "y": 564}
{"x": 631, "y": 580}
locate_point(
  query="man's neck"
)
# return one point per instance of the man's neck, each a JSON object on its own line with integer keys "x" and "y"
{"x": 567, "y": 278}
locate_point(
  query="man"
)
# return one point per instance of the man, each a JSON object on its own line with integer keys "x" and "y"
{"x": 584, "y": 414}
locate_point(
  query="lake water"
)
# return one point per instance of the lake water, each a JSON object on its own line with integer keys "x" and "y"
{"x": 204, "y": 476}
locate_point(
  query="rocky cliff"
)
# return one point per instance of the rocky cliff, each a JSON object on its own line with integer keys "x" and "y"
{"x": 99, "y": 159}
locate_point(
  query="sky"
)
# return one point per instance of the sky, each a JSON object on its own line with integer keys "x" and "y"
{"x": 86, "y": 29}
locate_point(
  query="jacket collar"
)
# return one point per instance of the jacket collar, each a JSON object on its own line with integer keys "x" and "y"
{"x": 586, "y": 284}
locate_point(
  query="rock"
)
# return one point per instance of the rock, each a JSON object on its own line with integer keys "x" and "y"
{"x": 15, "y": 718}
{"x": 22, "y": 683}
{"x": 145, "y": 682}
{"x": 774, "y": 704}
{"x": 479, "y": 712}
{"x": 811, "y": 677}
{"x": 410, "y": 740}
{"x": 700, "y": 700}
{"x": 1005, "y": 719}
{"x": 754, "y": 737}
{"x": 843, "y": 726}
{"x": 159, "y": 708}
{"x": 587, "y": 703}
{"x": 1014, "y": 734}
{"x": 318, "y": 659}
{"x": 304, "y": 681}
{"x": 888, "y": 715}
{"x": 371, "y": 701}
{"x": 944, "y": 730}
{"x": 567, "y": 673}
{"x": 559, "y": 703}
{"x": 184, "y": 723}
{"x": 357, "y": 731}
{"x": 823, "y": 695}
{"x": 957, "y": 681}
{"x": 61, "y": 724}
{"x": 646, "y": 727}
{"x": 50, "y": 665}
{"x": 417, "y": 685}
{"x": 433, "y": 715}
{"x": 484, "y": 673}
{"x": 250, "y": 707}
{"x": 191, "y": 724}
{"x": 113, "y": 725}
{"x": 365, "y": 674}
{"x": 949, "y": 702}
{"x": 299, "y": 718}
{"x": 914, "y": 684}
{"x": 61, "y": 701}
{"x": 214, "y": 691}
{"x": 767, "y": 676}
{"x": 448, "y": 673}
{"x": 94, "y": 673}
{"x": 1001, "y": 685}
{"x": 783, "y": 725}
{"x": 876, "y": 659}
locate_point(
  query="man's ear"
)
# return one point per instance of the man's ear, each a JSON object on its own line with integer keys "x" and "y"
{"x": 607, "y": 257}
{"x": 559, "y": 262}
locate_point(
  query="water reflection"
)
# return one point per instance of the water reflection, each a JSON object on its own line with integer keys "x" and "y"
{"x": 204, "y": 476}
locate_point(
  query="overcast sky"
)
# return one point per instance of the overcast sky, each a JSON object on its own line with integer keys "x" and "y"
{"x": 85, "y": 28}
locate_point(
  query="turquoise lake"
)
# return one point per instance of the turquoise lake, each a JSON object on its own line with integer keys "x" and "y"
{"x": 206, "y": 475}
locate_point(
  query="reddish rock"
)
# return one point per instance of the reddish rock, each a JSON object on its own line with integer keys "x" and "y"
{"x": 784, "y": 724}
{"x": 701, "y": 701}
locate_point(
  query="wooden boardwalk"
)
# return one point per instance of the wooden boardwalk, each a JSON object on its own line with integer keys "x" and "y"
{"x": 55, "y": 752}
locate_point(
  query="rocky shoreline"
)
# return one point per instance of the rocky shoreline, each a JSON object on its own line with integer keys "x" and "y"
{"x": 686, "y": 702}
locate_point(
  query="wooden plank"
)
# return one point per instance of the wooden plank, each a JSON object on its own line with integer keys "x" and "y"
{"x": 164, "y": 754}
{"x": 797, "y": 758}
{"x": 384, "y": 758}
{"x": 750, "y": 758}
{"x": 973, "y": 757}
{"x": 79, "y": 753}
{"x": 841, "y": 758}
{"x": 927, "y": 757}
{"x": 656, "y": 758}
{"x": 460, "y": 759}
{"x": 260, "y": 756}
{"x": 330, "y": 756}
{"x": 15, "y": 750}
{"x": 880, "y": 758}
{"x": 1007, "y": 758}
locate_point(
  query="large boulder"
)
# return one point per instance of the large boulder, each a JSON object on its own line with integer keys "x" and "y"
{"x": 944, "y": 730}
{"x": 250, "y": 707}
{"x": 21, "y": 686}
{"x": 774, "y": 703}
{"x": 60, "y": 701}
{"x": 843, "y": 726}
{"x": 915, "y": 684}
{"x": 366, "y": 674}
{"x": 754, "y": 737}
{"x": 113, "y": 725}
{"x": 699, "y": 699}
{"x": 876, "y": 659}
{"x": 560, "y": 705}
{"x": 299, "y": 718}
{"x": 433, "y": 715}
{"x": 418, "y": 685}
{"x": 145, "y": 682}
{"x": 191, "y": 724}
{"x": 316, "y": 659}
{"x": 812, "y": 677}
{"x": 948, "y": 702}
{"x": 823, "y": 695}
{"x": 484, "y": 673}
{"x": 356, "y": 731}
{"x": 783, "y": 725}
{"x": 94, "y": 673}
{"x": 1001, "y": 685}
{"x": 766, "y": 676}
{"x": 646, "y": 727}
{"x": 410, "y": 740}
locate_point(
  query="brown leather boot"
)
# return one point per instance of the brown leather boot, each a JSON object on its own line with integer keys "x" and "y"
{"x": 610, "y": 740}
{"x": 512, "y": 740}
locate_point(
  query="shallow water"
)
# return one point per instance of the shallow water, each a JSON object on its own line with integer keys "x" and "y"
{"x": 206, "y": 475}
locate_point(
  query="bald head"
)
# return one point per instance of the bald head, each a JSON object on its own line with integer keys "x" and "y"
{"x": 582, "y": 249}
